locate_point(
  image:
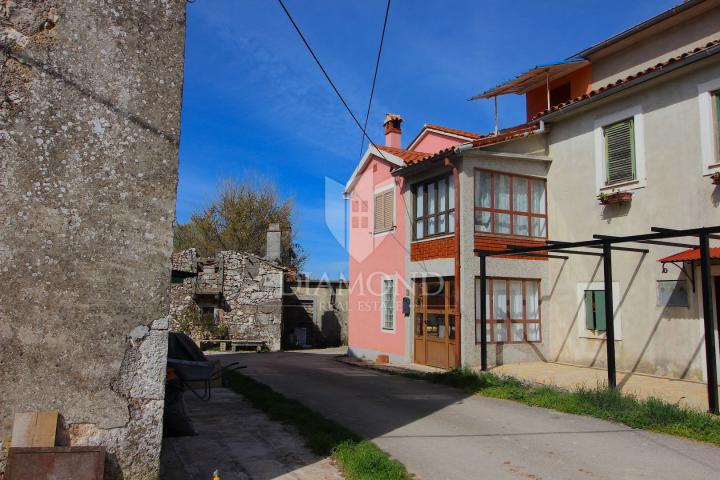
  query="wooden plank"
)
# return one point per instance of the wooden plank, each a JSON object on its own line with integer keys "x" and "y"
{"x": 34, "y": 429}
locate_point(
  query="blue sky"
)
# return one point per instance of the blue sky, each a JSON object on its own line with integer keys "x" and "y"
{"x": 256, "y": 105}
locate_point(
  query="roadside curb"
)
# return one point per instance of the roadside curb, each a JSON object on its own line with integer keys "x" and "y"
{"x": 383, "y": 368}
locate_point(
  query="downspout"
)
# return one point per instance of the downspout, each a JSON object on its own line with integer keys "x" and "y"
{"x": 456, "y": 190}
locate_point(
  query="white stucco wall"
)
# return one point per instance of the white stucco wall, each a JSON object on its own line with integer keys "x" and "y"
{"x": 673, "y": 191}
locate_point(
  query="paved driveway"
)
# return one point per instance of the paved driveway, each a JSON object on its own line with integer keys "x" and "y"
{"x": 442, "y": 433}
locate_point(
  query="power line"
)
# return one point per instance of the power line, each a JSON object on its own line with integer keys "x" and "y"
{"x": 377, "y": 67}
{"x": 332, "y": 84}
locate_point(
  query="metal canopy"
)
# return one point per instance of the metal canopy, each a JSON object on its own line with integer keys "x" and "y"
{"x": 534, "y": 78}
{"x": 607, "y": 244}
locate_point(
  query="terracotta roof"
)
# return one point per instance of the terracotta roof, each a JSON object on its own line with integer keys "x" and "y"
{"x": 453, "y": 131}
{"x": 484, "y": 140}
{"x": 688, "y": 255}
{"x": 408, "y": 156}
{"x": 622, "y": 81}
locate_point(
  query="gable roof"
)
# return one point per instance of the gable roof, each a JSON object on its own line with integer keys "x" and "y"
{"x": 668, "y": 65}
{"x": 395, "y": 156}
{"x": 453, "y": 132}
{"x": 508, "y": 134}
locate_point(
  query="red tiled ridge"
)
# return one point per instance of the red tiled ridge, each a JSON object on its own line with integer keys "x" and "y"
{"x": 622, "y": 81}
{"x": 497, "y": 243}
{"x": 408, "y": 155}
{"x": 489, "y": 139}
{"x": 454, "y": 131}
{"x": 429, "y": 249}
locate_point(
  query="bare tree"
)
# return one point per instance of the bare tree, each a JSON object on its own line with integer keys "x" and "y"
{"x": 238, "y": 220}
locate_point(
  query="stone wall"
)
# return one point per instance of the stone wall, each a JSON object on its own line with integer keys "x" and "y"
{"x": 250, "y": 303}
{"x": 253, "y": 290}
{"x": 319, "y": 307}
{"x": 90, "y": 95}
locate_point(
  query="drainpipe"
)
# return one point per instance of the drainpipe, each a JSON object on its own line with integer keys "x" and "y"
{"x": 456, "y": 190}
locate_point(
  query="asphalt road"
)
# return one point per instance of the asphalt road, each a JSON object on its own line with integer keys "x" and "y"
{"x": 441, "y": 433}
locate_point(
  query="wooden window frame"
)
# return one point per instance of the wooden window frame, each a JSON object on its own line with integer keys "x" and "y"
{"x": 449, "y": 229}
{"x": 633, "y": 153}
{"x": 447, "y": 310}
{"x": 489, "y": 310}
{"x": 492, "y": 210}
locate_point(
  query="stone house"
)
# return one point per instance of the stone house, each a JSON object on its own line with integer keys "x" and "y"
{"x": 254, "y": 299}
{"x": 315, "y": 313}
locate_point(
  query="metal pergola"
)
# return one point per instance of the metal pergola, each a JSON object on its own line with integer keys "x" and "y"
{"x": 608, "y": 244}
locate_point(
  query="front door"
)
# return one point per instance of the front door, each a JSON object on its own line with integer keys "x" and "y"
{"x": 435, "y": 322}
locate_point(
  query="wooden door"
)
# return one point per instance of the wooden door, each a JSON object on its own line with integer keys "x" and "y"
{"x": 434, "y": 323}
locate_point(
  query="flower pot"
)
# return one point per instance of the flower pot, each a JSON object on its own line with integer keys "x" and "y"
{"x": 615, "y": 198}
{"x": 715, "y": 177}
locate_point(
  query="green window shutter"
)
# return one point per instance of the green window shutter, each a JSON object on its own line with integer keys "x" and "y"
{"x": 589, "y": 313}
{"x": 620, "y": 151}
{"x": 599, "y": 298}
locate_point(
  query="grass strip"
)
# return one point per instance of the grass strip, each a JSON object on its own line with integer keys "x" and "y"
{"x": 358, "y": 458}
{"x": 601, "y": 402}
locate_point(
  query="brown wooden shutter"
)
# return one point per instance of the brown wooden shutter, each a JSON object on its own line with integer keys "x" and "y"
{"x": 388, "y": 212}
{"x": 378, "y": 212}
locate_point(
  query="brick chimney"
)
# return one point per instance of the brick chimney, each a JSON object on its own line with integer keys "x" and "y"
{"x": 393, "y": 131}
{"x": 273, "y": 246}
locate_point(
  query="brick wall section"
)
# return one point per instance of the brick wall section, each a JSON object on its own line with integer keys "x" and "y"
{"x": 489, "y": 242}
{"x": 429, "y": 249}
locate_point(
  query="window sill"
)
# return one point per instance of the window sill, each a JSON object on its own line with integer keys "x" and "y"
{"x": 524, "y": 342}
{"x": 435, "y": 237}
{"x": 384, "y": 231}
{"x": 385, "y": 330}
{"x": 596, "y": 335}
{"x": 623, "y": 186}
{"x": 510, "y": 236}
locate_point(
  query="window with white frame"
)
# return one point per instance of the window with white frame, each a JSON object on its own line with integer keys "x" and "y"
{"x": 387, "y": 303}
{"x": 434, "y": 208}
{"x": 619, "y": 141}
{"x": 716, "y": 106}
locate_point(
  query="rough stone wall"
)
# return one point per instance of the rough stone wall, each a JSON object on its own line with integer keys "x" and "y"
{"x": 326, "y": 325}
{"x": 181, "y": 294}
{"x": 253, "y": 293}
{"x": 90, "y": 95}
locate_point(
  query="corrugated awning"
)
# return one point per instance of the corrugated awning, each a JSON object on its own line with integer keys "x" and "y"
{"x": 534, "y": 78}
{"x": 689, "y": 255}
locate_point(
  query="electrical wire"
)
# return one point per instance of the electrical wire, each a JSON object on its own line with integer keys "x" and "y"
{"x": 327, "y": 76}
{"x": 377, "y": 67}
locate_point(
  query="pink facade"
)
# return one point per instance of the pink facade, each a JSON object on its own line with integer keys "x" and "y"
{"x": 372, "y": 258}
{"x": 378, "y": 256}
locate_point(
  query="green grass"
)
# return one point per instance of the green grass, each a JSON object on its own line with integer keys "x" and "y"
{"x": 650, "y": 414}
{"x": 359, "y": 459}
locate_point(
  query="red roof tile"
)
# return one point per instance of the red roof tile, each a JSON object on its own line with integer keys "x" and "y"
{"x": 454, "y": 131}
{"x": 484, "y": 140}
{"x": 408, "y": 156}
{"x": 622, "y": 81}
{"x": 688, "y": 255}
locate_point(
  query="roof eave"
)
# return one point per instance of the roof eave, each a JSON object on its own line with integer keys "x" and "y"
{"x": 630, "y": 83}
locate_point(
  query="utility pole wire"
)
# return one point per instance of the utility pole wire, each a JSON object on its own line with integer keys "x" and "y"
{"x": 332, "y": 84}
{"x": 377, "y": 67}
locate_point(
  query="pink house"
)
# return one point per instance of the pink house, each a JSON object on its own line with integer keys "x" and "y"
{"x": 379, "y": 326}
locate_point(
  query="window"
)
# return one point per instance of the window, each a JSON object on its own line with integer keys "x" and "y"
{"x": 510, "y": 204}
{"x": 595, "y": 310}
{"x": 387, "y": 304}
{"x": 560, "y": 94}
{"x": 434, "y": 208}
{"x": 673, "y": 293}
{"x": 435, "y": 308}
{"x": 512, "y": 310}
{"x": 383, "y": 211}
{"x": 619, "y": 152}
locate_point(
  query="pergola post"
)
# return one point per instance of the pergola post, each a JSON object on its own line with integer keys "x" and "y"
{"x": 609, "y": 313}
{"x": 483, "y": 313}
{"x": 708, "y": 317}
